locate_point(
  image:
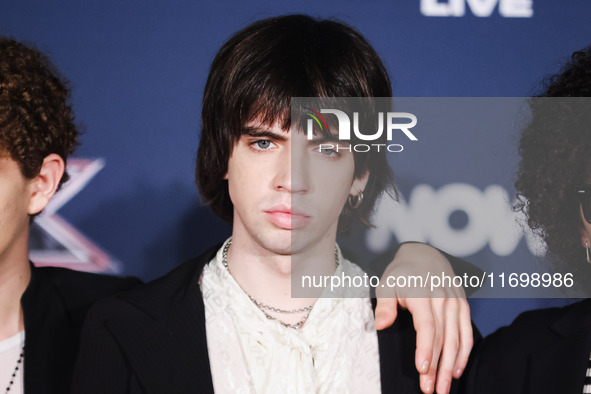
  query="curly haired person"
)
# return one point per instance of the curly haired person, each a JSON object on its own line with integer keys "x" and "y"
{"x": 548, "y": 350}
{"x": 41, "y": 309}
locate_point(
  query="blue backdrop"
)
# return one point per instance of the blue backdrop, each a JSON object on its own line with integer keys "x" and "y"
{"x": 138, "y": 68}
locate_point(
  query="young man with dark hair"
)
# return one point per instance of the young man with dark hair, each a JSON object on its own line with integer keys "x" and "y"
{"x": 41, "y": 309}
{"x": 226, "y": 320}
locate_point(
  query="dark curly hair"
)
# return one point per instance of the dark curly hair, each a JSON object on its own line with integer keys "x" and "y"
{"x": 555, "y": 154}
{"x": 257, "y": 72}
{"x": 36, "y": 119}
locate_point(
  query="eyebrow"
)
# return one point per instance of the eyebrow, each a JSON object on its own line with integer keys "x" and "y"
{"x": 323, "y": 139}
{"x": 262, "y": 132}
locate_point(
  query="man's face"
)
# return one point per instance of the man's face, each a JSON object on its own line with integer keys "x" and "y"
{"x": 15, "y": 193}
{"x": 287, "y": 195}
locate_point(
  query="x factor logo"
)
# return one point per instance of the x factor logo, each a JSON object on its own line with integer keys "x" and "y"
{"x": 55, "y": 242}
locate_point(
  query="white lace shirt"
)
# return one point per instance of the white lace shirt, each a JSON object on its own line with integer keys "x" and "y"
{"x": 336, "y": 351}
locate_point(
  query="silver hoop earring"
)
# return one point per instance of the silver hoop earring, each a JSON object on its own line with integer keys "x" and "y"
{"x": 587, "y": 250}
{"x": 355, "y": 201}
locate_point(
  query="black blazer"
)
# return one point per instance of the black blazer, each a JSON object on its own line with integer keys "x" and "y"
{"x": 55, "y": 305}
{"x": 543, "y": 351}
{"x": 152, "y": 340}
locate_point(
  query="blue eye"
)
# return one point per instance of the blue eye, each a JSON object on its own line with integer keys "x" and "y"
{"x": 262, "y": 144}
{"x": 328, "y": 151}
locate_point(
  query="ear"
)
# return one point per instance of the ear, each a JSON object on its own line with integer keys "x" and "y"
{"x": 44, "y": 185}
{"x": 359, "y": 184}
{"x": 585, "y": 241}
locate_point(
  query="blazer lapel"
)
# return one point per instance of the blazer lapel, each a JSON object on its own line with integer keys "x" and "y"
{"x": 169, "y": 355}
{"x": 168, "y": 347}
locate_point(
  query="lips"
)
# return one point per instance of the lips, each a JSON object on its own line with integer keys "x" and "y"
{"x": 286, "y": 218}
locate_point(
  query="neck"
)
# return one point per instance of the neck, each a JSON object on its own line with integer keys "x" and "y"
{"x": 15, "y": 274}
{"x": 267, "y": 276}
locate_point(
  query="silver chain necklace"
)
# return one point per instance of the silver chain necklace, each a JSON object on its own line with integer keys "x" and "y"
{"x": 18, "y": 364}
{"x": 264, "y": 307}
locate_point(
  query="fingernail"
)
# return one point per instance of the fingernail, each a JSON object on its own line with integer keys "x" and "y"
{"x": 458, "y": 372}
{"x": 445, "y": 385}
{"x": 425, "y": 366}
{"x": 429, "y": 386}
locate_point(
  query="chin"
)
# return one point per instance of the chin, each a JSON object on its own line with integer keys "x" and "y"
{"x": 300, "y": 243}
{"x": 285, "y": 242}
{"x": 277, "y": 243}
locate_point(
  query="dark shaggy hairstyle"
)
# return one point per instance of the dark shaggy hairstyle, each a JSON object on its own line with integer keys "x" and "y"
{"x": 555, "y": 149}
{"x": 35, "y": 117}
{"x": 258, "y": 71}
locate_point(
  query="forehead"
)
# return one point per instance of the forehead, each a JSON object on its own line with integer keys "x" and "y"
{"x": 262, "y": 114}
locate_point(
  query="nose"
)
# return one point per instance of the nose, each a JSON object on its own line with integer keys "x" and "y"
{"x": 292, "y": 171}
